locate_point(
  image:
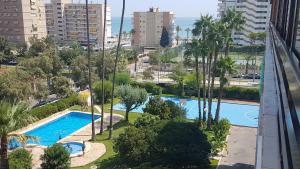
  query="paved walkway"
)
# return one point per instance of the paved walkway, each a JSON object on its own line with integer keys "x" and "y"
{"x": 241, "y": 149}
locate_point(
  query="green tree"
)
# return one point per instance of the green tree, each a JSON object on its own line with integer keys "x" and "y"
{"x": 3, "y": 43}
{"x": 178, "y": 74}
{"x": 131, "y": 97}
{"x": 107, "y": 86}
{"x": 115, "y": 69}
{"x": 193, "y": 49}
{"x": 37, "y": 46}
{"x": 220, "y": 132}
{"x": 56, "y": 157}
{"x": 225, "y": 67}
{"x": 61, "y": 86}
{"x": 165, "y": 38}
{"x": 146, "y": 119}
{"x": 122, "y": 78}
{"x": 20, "y": 159}
{"x": 12, "y": 117}
{"x": 234, "y": 20}
{"x": 148, "y": 74}
{"x": 79, "y": 73}
{"x": 178, "y": 29}
{"x": 157, "y": 107}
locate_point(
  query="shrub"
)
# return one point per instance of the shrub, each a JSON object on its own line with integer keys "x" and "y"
{"x": 20, "y": 159}
{"x": 220, "y": 132}
{"x": 49, "y": 109}
{"x": 145, "y": 120}
{"x": 56, "y": 157}
{"x": 166, "y": 144}
{"x": 166, "y": 110}
{"x": 176, "y": 110}
{"x": 133, "y": 145}
{"x": 122, "y": 78}
{"x": 158, "y": 107}
{"x": 98, "y": 91}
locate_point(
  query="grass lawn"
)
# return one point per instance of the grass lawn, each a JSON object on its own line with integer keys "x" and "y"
{"x": 108, "y": 160}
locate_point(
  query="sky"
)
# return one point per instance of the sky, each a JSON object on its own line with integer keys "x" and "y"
{"x": 181, "y": 8}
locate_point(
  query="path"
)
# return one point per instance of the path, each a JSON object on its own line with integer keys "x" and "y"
{"x": 241, "y": 149}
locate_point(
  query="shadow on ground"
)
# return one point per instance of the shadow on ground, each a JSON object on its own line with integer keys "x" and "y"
{"x": 237, "y": 166}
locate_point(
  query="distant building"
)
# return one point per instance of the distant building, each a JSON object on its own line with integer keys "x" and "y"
{"x": 148, "y": 27}
{"x": 66, "y": 22}
{"x": 22, "y": 19}
{"x": 256, "y": 13}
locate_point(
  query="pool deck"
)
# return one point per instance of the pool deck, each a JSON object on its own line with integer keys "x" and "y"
{"x": 241, "y": 149}
{"x": 93, "y": 150}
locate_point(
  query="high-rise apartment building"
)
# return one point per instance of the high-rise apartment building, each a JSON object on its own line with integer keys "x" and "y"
{"x": 66, "y": 22}
{"x": 256, "y": 14}
{"x": 20, "y": 20}
{"x": 148, "y": 27}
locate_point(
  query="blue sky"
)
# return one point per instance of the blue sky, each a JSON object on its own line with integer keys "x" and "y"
{"x": 182, "y": 8}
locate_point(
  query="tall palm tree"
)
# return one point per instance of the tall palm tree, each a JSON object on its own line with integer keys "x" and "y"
{"x": 193, "y": 49}
{"x": 225, "y": 67}
{"x": 217, "y": 37}
{"x": 178, "y": 29}
{"x": 103, "y": 68}
{"x": 234, "y": 21}
{"x": 12, "y": 117}
{"x": 90, "y": 67}
{"x": 114, "y": 71}
{"x": 201, "y": 29}
{"x": 188, "y": 30}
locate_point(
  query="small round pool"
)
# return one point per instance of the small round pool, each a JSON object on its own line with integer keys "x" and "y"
{"x": 74, "y": 148}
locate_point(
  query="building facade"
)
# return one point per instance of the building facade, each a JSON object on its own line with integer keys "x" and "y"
{"x": 20, "y": 20}
{"x": 278, "y": 138}
{"x": 148, "y": 27}
{"x": 256, "y": 14}
{"x": 66, "y": 22}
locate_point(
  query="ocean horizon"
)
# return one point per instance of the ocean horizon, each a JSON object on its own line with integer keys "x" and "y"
{"x": 183, "y": 22}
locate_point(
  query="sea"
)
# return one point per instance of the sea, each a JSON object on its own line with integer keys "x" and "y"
{"x": 182, "y": 22}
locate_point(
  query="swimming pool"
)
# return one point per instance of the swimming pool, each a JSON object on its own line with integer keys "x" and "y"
{"x": 237, "y": 114}
{"x": 60, "y": 128}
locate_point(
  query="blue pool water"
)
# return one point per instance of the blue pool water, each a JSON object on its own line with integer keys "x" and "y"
{"x": 237, "y": 114}
{"x": 73, "y": 147}
{"x": 60, "y": 128}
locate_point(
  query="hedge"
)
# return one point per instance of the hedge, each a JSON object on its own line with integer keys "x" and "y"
{"x": 240, "y": 93}
{"x": 49, "y": 109}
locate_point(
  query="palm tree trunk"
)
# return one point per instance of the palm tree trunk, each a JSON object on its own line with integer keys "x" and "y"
{"x": 135, "y": 65}
{"x": 4, "y": 156}
{"x": 102, "y": 59}
{"x": 213, "y": 81}
{"x": 247, "y": 66}
{"x": 127, "y": 115}
{"x": 204, "y": 87}
{"x": 90, "y": 71}
{"x": 209, "y": 89}
{"x": 227, "y": 49}
{"x": 114, "y": 71}
{"x": 217, "y": 117}
{"x": 198, "y": 89}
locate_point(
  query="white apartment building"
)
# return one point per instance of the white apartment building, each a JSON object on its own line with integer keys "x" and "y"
{"x": 256, "y": 13}
{"x": 66, "y": 22}
{"x": 20, "y": 20}
{"x": 148, "y": 27}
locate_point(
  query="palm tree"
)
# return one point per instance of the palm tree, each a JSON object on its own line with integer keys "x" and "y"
{"x": 188, "y": 30}
{"x": 201, "y": 29}
{"x": 225, "y": 67}
{"x": 193, "y": 49}
{"x": 216, "y": 37}
{"x": 114, "y": 71}
{"x": 12, "y": 117}
{"x": 178, "y": 29}
{"x": 90, "y": 71}
{"x": 103, "y": 68}
{"x": 234, "y": 21}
